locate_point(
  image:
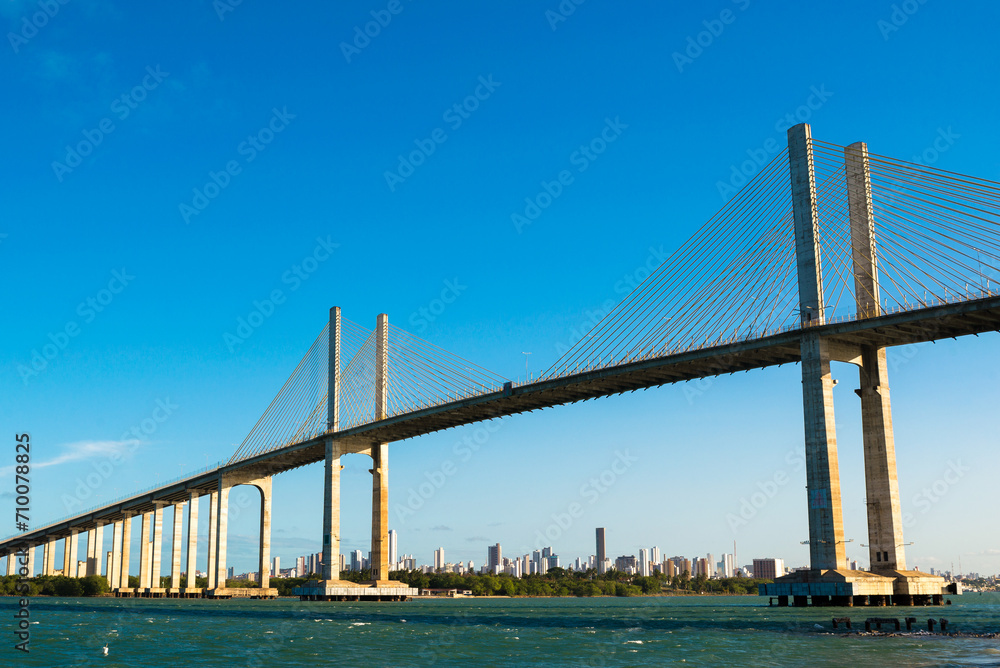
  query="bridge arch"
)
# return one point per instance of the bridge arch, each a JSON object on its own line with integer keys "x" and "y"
{"x": 219, "y": 525}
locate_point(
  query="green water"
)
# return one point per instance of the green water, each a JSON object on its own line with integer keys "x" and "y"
{"x": 693, "y": 631}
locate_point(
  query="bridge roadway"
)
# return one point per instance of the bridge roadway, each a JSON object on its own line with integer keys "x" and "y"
{"x": 950, "y": 320}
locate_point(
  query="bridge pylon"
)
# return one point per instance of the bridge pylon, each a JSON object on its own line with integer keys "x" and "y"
{"x": 331, "y": 587}
{"x": 829, "y": 580}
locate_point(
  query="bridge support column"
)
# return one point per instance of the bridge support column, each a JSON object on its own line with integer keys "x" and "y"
{"x": 380, "y": 461}
{"x": 192, "y": 547}
{"x": 826, "y": 524}
{"x": 265, "y": 532}
{"x": 885, "y": 517}
{"x": 155, "y": 570}
{"x": 91, "y": 545}
{"x": 70, "y": 553}
{"x": 12, "y": 563}
{"x": 144, "y": 578}
{"x": 126, "y": 551}
{"x": 115, "y": 573}
{"x": 175, "y": 547}
{"x": 222, "y": 522}
{"x": 213, "y": 533}
{"x": 332, "y": 466}
{"x": 885, "y": 523}
{"x": 331, "y": 513}
{"x": 31, "y": 561}
{"x": 380, "y": 514}
{"x": 47, "y": 558}
{"x": 98, "y": 548}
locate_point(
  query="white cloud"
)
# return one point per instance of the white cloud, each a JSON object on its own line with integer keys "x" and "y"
{"x": 83, "y": 450}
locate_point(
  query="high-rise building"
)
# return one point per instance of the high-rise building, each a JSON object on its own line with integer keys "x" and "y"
{"x": 495, "y": 557}
{"x": 300, "y": 566}
{"x": 439, "y": 559}
{"x": 670, "y": 568}
{"x": 277, "y": 567}
{"x": 357, "y": 561}
{"x": 392, "y": 549}
{"x": 602, "y": 552}
{"x": 643, "y": 562}
{"x": 654, "y": 555}
{"x": 711, "y": 565}
{"x": 728, "y": 566}
{"x": 768, "y": 569}
{"x": 627, "y": 564}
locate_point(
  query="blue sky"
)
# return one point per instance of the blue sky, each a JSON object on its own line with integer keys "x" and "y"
{"x": 224, "y": 148}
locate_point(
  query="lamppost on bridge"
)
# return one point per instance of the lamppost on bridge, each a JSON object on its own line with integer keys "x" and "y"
{"x": 525, "y": 365}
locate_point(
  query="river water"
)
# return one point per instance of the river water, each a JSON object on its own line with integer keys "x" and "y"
{"x": 657, "y": 631}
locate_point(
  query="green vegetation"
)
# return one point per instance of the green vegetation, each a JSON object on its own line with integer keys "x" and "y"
{"x": 562, "y": 582}
{"x": 55, "y": 585}
{"x": 556, "y": 582}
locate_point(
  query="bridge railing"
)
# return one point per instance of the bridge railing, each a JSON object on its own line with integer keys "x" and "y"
{"x": 969, "y": 295}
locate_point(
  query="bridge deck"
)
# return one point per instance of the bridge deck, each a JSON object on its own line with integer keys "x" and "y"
{"x": 944, "y": 321}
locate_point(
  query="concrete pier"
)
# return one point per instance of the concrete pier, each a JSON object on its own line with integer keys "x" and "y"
{"x": 115, "y": 572}
{"x": 191, "y": 588}
{"x": 349, "y": 591}
{"x": 332, "y": 466}
{"x": 175, "y": 549}
{"x": 885, "y": 525}
{"x": 331, "y": 514}
{"x": 155, "y": 568}
{"x": 94, "y": 557}
{"x": 221, "y": 536}
{"x": 144, "y": 565}
{"x": 213, "y": 532}
{"x": 380, "y": 462}
{"x": 47, "y": 558}
{"x": 264, "y": 578}
{"x": 829, "y": 582}
{"x": 70, "y": 553}
{"x": 826, "y": 524}
{"x": 126, "y": 550}
{"x": 91, "y": 554}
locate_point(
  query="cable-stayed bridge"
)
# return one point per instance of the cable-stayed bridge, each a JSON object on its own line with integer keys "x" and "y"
{"x": 830, "y": 253}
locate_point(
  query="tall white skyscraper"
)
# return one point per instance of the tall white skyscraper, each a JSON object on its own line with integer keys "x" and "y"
{"x": 439, "y": 558}
{"x": 654, "y": 555}
{"x": 711, "y": 565}
{"x": 643, "y": 562}
{"x": 392, "y": 549}
{"x": 728, "y": 565}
